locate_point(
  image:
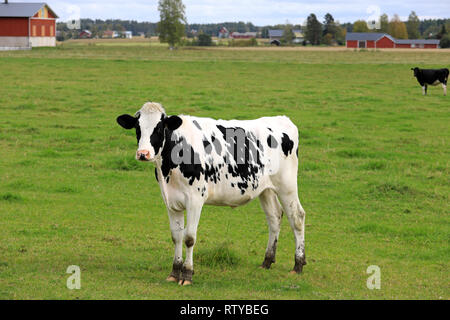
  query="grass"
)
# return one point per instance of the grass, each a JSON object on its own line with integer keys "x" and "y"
{"x": 373, "y": 178}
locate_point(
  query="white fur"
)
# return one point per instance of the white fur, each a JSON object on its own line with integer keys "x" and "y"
{"x": 277, "y": 187}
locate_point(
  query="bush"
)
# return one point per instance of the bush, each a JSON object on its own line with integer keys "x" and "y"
{"x": 445, "y": 41}
{"x": 204, "y": 40}
{"x": 252, "y": 42}
{"x": 188, "y": 42}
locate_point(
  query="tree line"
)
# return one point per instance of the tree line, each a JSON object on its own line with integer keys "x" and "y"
{"x": 413, "y": 28}
{"x": 316, "y": 32}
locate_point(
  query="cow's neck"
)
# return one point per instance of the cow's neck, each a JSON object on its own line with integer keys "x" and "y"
{"x": 162, "y": 182}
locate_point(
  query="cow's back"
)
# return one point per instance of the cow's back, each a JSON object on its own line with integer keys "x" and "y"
{"x": 238, "y": 158}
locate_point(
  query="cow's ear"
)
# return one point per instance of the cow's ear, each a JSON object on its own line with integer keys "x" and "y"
{"x": 172, "y": 122}
{"x": 126, "y": 121}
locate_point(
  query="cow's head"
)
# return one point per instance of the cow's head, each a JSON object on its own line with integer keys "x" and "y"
{"x": 151, "y": 124}
{"x": 416, "y": 71}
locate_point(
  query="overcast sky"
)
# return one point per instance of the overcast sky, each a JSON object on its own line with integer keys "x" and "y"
{"x": 259, "y": 12}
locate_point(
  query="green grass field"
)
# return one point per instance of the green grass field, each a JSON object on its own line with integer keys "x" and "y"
{"x": 373, "y": 178}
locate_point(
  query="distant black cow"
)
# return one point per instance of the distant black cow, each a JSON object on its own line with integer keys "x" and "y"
{"x": 431, "y": 77}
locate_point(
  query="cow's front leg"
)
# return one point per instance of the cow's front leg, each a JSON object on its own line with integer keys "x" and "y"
{"x": 177, "y": 228}
{"x": 193, "y": 212}
{"x": 444, "y": 86}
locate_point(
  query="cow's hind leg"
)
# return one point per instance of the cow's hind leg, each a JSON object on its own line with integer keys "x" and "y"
{"x": 177, "y": 228}
{"x": 272, "y": 208}
{"x": 296, "y": 215}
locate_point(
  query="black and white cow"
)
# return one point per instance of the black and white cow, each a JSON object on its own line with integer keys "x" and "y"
{"x": 224, "y": 163}
{"x": 431, "y": 77}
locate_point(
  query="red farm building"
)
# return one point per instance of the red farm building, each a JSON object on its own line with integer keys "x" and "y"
{"x": 26, "y": 25}
{"x": 243, "y": 35}
{"x": 368, "y": 40}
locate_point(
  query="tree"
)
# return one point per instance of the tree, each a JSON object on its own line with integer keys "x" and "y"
{"x": 340, "y": 34}
{"x": 265, "y": 33}
{"x": 329, "y": 26}
{"x": 445, "y": 41}
{"x": 204, "y": 40}
{"x": 95, "y": 31}
{"x": 397, "y": 28}
{"x": 327, "y": 39}
{"x": 384, "y": 23}
{"x": 360, "y": 26}
{"x": 442, "y": 33}
{"x": 313, "y": 29}
{"x": 288, "y": 34}
{"x": 172, "y": 19}
{"x": 412, "y": 26}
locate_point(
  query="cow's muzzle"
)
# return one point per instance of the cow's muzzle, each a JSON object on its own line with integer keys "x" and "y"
{"x": 143, "y": 155}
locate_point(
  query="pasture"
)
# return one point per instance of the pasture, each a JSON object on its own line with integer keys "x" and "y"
{"x": 373, "y": 176}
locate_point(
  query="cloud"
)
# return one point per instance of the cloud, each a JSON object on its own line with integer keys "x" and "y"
{"x": 259, "y": 12}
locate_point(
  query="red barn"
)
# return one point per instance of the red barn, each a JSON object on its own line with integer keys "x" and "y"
{"x": 243, "y": 35}
{"x": 26, "y": 25}
{"x": 363, "y": 40}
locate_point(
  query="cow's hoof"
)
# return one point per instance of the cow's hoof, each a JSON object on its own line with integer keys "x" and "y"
{"x": 268, "y": 260}
{"x": 186, "y": 277}
{"x": 171, "y": 279}
{"x": 185, "y": 282}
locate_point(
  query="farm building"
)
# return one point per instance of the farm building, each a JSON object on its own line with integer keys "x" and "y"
{"x": 383, "y": 40}
{"x": 110, "y": 34}
{"x": 223, "y": 33}
{"x": 243, "y": 35}
{"x": 85, "y": 34}
{"x": 128, "y": 34}
{"x": 26, "y": 25}
{"x": 275, "y": 36}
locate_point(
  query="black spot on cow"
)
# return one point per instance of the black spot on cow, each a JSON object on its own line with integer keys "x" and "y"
{"x": 156, "y": 175}
{"x": 217, "y": 145}
{"x": 243, "y": 156}
{"x": 189, "y": 241}
{"x": 272, "y": 142}
{"x": 286, "y": 144}
{"x": 242, "y": 186}
{"x": 270, "y": 129}
{"x": 157, "y": 136}
{"x": 207, "y": 146}
{"x": 203, "y": 191}
{"x": 211, "y": 173}
{"x": 296, "y": 152}
{"x": 223, "y": 130}
{"x": 196, "y": 124}
{"x": 138, "y": 132}
{"x": 190, "y": 169}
